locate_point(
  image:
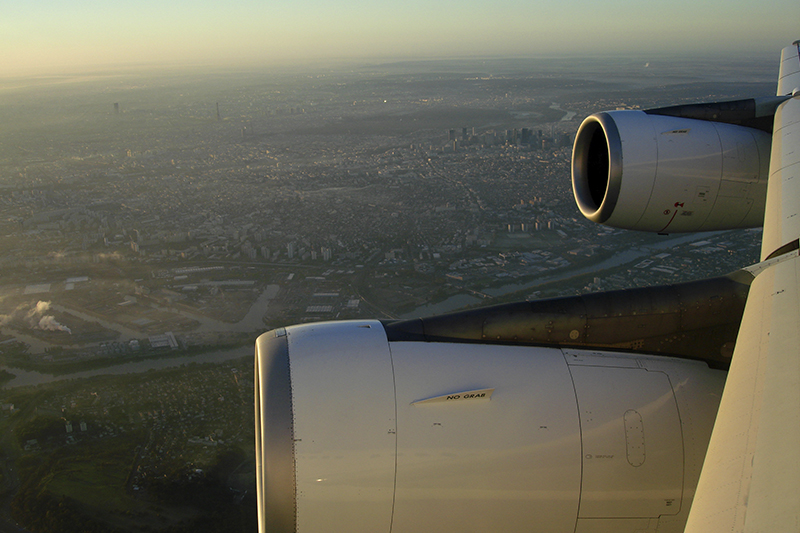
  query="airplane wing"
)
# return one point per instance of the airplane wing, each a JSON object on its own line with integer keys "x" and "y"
{"x": 751, "y": 476}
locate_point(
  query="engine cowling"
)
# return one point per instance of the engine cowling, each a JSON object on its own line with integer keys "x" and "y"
{"x": 648, "y": 172}
{"x": 358, "y": 433}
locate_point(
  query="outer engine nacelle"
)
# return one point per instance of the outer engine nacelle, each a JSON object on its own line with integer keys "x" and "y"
{"x": 649, "y": 172}
{"x": 356, "y": 432}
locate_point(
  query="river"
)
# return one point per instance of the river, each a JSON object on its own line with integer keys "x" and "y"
{"x": 569, "y": 114}
{"x": 459, "y": 301}
{"x": 253, "y": 320}
{"x": 25, "y": 377}
{"x": 454, "y": 302}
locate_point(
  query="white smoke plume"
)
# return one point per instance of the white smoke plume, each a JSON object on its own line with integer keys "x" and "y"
{"x": 35, "y": 317}
{"x": 40, "y": 308}
{"x": 50, "y": 323}
{"x": 17, "y": 312}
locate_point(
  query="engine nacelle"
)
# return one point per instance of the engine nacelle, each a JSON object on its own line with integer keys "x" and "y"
{"x": 635, "y": 170}
{"x": 358, "y": 433}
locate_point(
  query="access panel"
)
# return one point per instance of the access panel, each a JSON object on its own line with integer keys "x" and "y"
{"x": 632, "y": 443}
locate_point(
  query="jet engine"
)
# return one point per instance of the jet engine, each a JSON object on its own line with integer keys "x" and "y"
{"x": 358, "y": 432}
{"x": 652, "y": 171}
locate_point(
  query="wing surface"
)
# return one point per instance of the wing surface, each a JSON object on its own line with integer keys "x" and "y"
{"x": 789, "y": 76}
{"x": 751, "y": 476}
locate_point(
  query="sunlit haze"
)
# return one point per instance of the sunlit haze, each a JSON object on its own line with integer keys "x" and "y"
{"x": 53, "y": 36}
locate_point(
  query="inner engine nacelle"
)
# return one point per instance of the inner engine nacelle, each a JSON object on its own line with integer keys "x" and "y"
{"x": 356, "y": 432}
{"x": 648, "y": 172}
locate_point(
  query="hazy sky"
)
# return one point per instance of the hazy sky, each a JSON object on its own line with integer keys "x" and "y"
{"x": 49, "y": 36}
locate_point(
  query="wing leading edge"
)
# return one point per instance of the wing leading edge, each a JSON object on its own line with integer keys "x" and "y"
{"x": 751, "y": 476}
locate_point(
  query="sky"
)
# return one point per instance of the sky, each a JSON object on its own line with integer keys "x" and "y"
{"x": 44, "y": 37}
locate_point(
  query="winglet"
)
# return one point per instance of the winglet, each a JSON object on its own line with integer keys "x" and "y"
{"x": 789, "y": 77}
